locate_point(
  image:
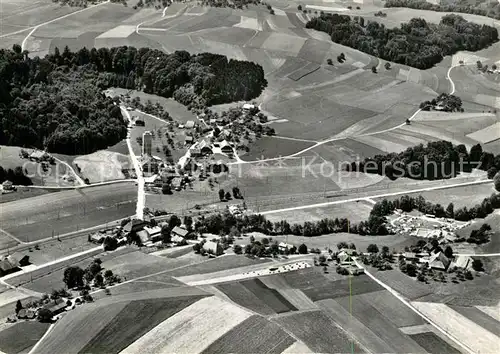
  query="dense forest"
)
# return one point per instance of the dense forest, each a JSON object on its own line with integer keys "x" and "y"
{"x": 417, "y": 43}
{"x": 56, "y": 103}
{"x": 437, "y": 160}
{"x": 489, "y": 8}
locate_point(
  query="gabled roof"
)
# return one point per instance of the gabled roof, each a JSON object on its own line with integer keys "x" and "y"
{"x": 37, "y": 154}
{"x": 152, "y": 230}
{"x": 143, "y": 236}
{"x": 7, "y": 183}
{"x": 212, "y": 246}
{"x": 189, "y": 124}
{"x": 176, "y": 239}
{"x": 439, "y": 259}
{"x": 180, "y": 231}
{"x": 463, "y": 262}
{"x": 7, "y": 263}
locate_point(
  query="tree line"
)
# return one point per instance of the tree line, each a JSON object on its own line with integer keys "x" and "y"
{"x": 437, "y": 160}
{"x": 56, "y": 102}
{"x": 486, "y": 8}
{"x": 407, "y": 203}
{"x": 16, "y": 176}
{"x": 416, "y": 43}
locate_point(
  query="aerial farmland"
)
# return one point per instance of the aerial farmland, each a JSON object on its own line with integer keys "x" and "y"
{"x": 249, "y": 176}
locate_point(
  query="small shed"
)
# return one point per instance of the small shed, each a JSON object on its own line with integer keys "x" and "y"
{"x": 214, "y": 248}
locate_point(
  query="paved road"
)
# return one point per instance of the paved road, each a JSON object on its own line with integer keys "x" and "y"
{"x": 141, "y": 196}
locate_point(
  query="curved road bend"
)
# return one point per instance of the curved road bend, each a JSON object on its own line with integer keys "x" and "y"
{"x": 319, "y": 143}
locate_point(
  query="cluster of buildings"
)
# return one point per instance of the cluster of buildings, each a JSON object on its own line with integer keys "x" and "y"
{"x": 437, "y": 259}
{"x": 147, "y": 234}
{"x": 10, "y": 264}
{"x": 444, "y": 229}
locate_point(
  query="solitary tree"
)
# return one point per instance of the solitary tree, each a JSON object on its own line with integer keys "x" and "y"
{"x": 448, "y": 252}
{"x": 374, "y": 69}
{"x": 44, "y": 315}
{"x": 165, "y": 234}
{"x": 372, "y": 248}
{"x": 19, "y": 306}
{"x": 496, "y": 181}
{"x": 303, "y": 249}
{"x": 221, "y": 194}
{"x": 329, "y": 61}
{"x": 237, "y": 249}
{"x": 477, "y": 265}
{"x": 298, "y": 8}
{"x": 387, "y": 66}
{"x": 73, "y": 277}
{"x": 227, "y": 196}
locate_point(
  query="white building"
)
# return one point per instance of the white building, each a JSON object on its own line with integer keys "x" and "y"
{"x": 147, "y": 143}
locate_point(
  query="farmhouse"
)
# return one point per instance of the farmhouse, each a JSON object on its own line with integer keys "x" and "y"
{"x": 225, "y": 147}
{"x": 154, "y": 233}
{"x": 143, "y": 236}
{"x": 248, "y": 106}
{"x": 189, "y": 124}
{"x": 39, "y": 155}
{"x": 344, "y": 258}
{"x": 188, "y": 140}
{"x": 134, "y": 225}
{"x": 202, "y": 148}
{"x": 284, "y": 246}
{"x": 7, "y": 185}
{"x": 56, "y": 307}
{"x": 214, "y": 248}
{"x": 179, "y": 231}
{"x": 439, "y": 261}
{"x": 463, "y": 262}
{"x": 8, "y": 264}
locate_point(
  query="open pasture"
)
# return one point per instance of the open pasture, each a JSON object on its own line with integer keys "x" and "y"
{"x": 228, "y": 262}
{"x": 470, "y": 334}
{"x": 355, "y": 212}
{"x": 242, "y": 296}
{"x": 256, "y": 296}
{"x": 254, "y": 335}
{"x": 314, "y": 117}
{"x": 366, "y": 337}
{"x": 19, "y": 14}
{"x": 192, "y": 329}
{"x": 68, "y": 211}
{"x": 379, "y": 324}
{"x": 433, "y": 343}
{"x": 9, "y": 155}
{"x": 460, "y": 196}
{"x": 309, "y": 326}
{"x": 22, "y": 336}
{"x": 136, "y": 319}
{"x": 480, "y": 318}
{"x": 138, "y": 264}
{"x": 403, "y": 284}
{"x": 102, "y": 166}
{"x": 271, "y": 147}
{"x": 339, "y": 288}
{"x": 391, "y": 308}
